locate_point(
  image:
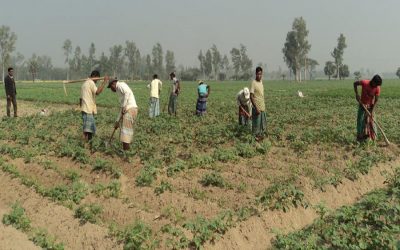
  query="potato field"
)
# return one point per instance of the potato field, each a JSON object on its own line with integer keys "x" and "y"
{"x": 193, "y": 182}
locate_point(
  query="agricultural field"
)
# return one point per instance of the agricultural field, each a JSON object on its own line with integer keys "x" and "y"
{"x": 200, "y": 182}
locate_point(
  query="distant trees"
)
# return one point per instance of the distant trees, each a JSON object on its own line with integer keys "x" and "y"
{"x": 329, "y": 69}
{"x": 216, "y": 60}
{"x": 337, "y": 55}
{"x": 169, "y": 61}
{"x": 398, "y": 72}
{"x": 157, "y": 59}
{"x": 242, "y": 64}
{"x": 344, "y": 71}
{"x": 67, "y": 47}
{"x": 311, "y": 66}
{"x": 208, "y": 63}
{"x": 7, "y": 45}
{"x": 357, "y": 75}
{"x": 132, "y": 53}
{"x": 116, "y": 59}
{"x": 296, "y": 48}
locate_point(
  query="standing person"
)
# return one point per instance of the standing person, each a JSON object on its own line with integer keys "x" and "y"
{"x": 155, "y": 91}
{"x": 173, "y": 98}
{"x": 203, "y": 91}
{"x": 244, "y": 103}
{"x": 11, "y": 92}
{"x": 370, "y": 90}
{"x": 258, "y": 111}
{"x": 128, "y": 112}
{"x": 89, "y": 91}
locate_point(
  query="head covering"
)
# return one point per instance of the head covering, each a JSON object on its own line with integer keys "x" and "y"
{"x": 111, "y": 81}
{"x": 246, "y": 93}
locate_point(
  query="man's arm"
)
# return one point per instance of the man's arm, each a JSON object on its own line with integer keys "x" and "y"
{"x": 374, "y": 104}
{"x": 103, "y": 84}
{"x": 208, "y": 90}
{"x": 356, "y": 84}
{"x": 8, "y": 85}
{"x": 253, "y": 102}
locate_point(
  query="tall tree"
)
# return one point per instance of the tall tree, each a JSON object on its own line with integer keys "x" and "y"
{"x": 296, "y": 47}
{"x": 149, "y": 69}
{"x": 131, "y": 52}
{"x": 202, "y": 60}
{"x": 246, "y": 63}
{"x": 33, "y": 66}
{"x": 300, "y": 27}
{"x": 216, "y": 60}
{"x": 236, "y": 61}
{"x": 224, "y": 66}
{"x": 311, "y": 65}
{"x": 290, "y": 53}
{"x": 208, "y": 64}
{"x": 7, "y": 45}
{"x": 337, "y": 54}
{"x": 344, "y": 71}
{"x": 116, "y": 59}
{"x": 76, "y": 62}
{"x": 169, "y": 61}
{"x": 67, "y": 47}
{"x": 329, "y": 69}
{"x": 45, "y": 67}
{"x": 92, "y": 56}
{"x": 17, "y": 61}
{"x": 104, "y": 64}
{"x": 157, "y": 54}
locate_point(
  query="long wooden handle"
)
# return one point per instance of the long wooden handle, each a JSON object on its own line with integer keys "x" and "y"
{"x": 82, "y": 80}
{"x": 115, "y": 129}
{"x": 377, "y": 124}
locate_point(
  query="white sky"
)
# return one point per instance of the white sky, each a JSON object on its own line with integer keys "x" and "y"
{"x": 185, "y": 27}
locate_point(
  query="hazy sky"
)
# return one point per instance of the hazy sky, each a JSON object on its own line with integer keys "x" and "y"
{"x": 185, "y": 27}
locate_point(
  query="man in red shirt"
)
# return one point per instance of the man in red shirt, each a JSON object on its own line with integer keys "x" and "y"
{"x": 370, "y": 91}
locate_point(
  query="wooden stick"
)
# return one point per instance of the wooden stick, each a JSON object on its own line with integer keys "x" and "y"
{"x": 82, "y": 80}
{"x": 377, "y": 124}
{"x": 65, "y": 90}
{"x": 245, "y": 111}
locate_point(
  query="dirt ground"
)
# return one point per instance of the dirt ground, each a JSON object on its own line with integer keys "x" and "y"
{"x": 141, "y": 203}
{"x": 27, "y": 108}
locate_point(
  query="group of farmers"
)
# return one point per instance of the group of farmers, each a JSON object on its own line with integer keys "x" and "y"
{"x": 128, "y": 107}
{"x": 251, "y": 104}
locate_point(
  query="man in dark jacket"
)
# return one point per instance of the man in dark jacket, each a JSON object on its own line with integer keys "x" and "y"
{"x": 11, "y": 92}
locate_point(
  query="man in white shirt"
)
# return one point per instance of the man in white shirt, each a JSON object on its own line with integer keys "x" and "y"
{"x": 128, "y": 112}
{"x": 244, "y": 103}
{"x": 89, "y": 91}
{"x": 155, "y": 90}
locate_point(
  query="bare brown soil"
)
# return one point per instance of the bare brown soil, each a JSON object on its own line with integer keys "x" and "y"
{"x": 257, "y": 232}
{"x": 245, "y": 179}
{"x": 27, "y": 108}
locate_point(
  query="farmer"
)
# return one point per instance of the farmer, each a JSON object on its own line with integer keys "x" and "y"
{"x": 173, "y": 98}
{"x": 244, "y": 103}
{"x": 128, "y": 112}
{"x": 203, "y": 91}
{"x": 88, "y": 106}
{"x": 11, "y": 92}
{"x": 258, "y": 111}
{"x": 155, "y": 90}
{"x": 370, "y": 90}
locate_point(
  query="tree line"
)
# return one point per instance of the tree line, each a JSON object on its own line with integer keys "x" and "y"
{"x": 127, "y": 62}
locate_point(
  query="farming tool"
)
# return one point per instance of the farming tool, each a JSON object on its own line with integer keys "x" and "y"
{"x": 248, "y": 115}
{"x": 80, "y": 80}
{"x": 112, "y": 135}
{"x": 377, "y": 124}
